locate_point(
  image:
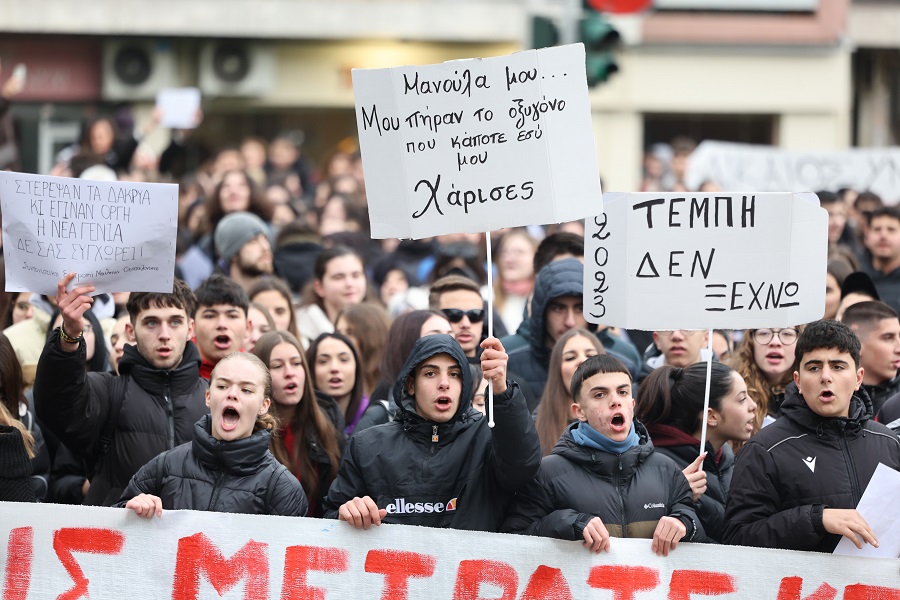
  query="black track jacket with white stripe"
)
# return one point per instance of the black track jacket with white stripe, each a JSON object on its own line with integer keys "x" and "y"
{"x": 792, "y": 470}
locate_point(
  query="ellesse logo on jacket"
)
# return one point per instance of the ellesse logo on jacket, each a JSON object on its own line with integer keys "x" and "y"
{"x": 401, "y": 507}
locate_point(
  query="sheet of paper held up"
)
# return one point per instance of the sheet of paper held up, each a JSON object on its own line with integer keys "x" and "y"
{"x": 179, "y": 107}
{"x": 883, "y": 488}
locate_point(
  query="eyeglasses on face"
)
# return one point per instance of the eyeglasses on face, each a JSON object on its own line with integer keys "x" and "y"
{"x": 684, "y": 332}
{"x": 786, "y": 336}
{"x": 455, "y": 315}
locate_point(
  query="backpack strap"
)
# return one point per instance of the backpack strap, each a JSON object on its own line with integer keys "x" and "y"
{"x": 117, "y": 399}
{"x": 270, "y": 488}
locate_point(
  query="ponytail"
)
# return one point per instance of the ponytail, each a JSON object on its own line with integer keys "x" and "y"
{"x": 675, "y": 396}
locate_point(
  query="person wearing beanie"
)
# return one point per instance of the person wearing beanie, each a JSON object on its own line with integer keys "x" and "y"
{"x": 242, "y": 245}
{"x": 15, "y": 467}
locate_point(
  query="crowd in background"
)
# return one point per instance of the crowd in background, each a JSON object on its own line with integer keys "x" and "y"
{"x": 334, "y": 315}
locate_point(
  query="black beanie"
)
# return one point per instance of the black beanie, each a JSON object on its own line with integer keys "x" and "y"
{"x": 15, "y": 467}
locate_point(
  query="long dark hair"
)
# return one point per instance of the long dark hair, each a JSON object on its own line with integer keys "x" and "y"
{"x": 554, "y": 412}
{"x": 404, "y": 331}
{"x": 370, "y": 324}
{"x": 12, "y": 391}
{"x": 674, "y": 396}
{"x": 308, "y": 424}
{"x": 356, "y": 392}
{"x": 258, "y": 204}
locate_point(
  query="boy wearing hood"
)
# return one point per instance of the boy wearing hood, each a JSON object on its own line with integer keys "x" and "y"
{"x": 603, "y": 478}
{"x": 797, "y": 482}
{"x": 439, "y": 464}
{"x": 556, "y": 308}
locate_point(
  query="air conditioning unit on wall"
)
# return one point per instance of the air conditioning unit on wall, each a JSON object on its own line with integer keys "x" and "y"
{"x": 237, "y": 68}
{"x": 136, "y": 69}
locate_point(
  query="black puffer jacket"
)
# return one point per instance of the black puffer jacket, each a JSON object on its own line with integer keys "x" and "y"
{"x": 881, "y": 395}
{"x": 460, "y": 474}
{"x": 237, "y": 476}
{"x": 158, "y": 412}
{"x": 711, "y": 505}
{"x": 789, "y": 472}
{"x": 630, "y": 492}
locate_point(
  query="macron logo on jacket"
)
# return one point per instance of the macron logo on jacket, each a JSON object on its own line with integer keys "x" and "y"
{"x": 401, "y": 507}
{"x": 810, "y": 461}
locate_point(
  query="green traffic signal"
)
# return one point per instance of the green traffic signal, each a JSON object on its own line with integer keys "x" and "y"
{"x": 599, "y": 66}
{"x": 544, "y": 32}
{"x": 599, "y": 38}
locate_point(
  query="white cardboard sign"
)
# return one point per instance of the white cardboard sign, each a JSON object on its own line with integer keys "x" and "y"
{"x": 49, "y": 551}
{"x": 118, "y": 236}
{"x": 477, "y": 144}
{"x": 702, "y": 261}
{"x": 752, "y": 168}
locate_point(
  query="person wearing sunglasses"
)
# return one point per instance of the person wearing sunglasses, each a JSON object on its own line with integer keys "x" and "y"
{"x": 459, "y": 299}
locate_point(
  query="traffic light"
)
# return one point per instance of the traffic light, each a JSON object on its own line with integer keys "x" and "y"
{"x": 600, "y": 38}
{"x": 544, "y": 32}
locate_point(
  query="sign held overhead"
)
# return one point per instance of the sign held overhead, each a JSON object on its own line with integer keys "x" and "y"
{"x": 704, "y": 261}
{"x": 478, "y": 144}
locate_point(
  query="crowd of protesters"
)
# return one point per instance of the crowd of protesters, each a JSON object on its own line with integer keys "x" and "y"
{"x": 299, "y": 367}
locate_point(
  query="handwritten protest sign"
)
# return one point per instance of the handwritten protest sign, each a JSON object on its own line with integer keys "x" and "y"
{"x": 701, "y": 261}
{"x": 752, "y": 168}
{"x": 479, "y": 144}
{"x": 118, "y": 236}
{"x": 83, "y": 552}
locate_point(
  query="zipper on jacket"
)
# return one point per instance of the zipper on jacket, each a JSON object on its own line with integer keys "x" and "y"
{"x": 170, "y": 412}
{"x": 851, "y": 468}
{"x": 434, "y": 435}
{"x": 618, "y": 480}
{"x": 217, "y": 487}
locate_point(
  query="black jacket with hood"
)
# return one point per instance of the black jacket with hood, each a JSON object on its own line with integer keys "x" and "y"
{"x": 460, "y": 474}
{"x": 156, "y": 411}
{"x": 790, "y": 471}
{"x": 630, "y": 492}
{"x": 882, "y": 394}
{"x": 529, "y": 356}
{"x": 238, "y": 476}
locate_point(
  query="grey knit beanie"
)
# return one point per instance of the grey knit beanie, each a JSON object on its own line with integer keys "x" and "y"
{"x": 235, "y": 230}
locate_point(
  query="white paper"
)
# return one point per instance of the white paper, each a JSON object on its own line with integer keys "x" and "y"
{"x": 118, "y": 236}
{"x": 877, "y": 508}
{"x": 478, "y": 144}
{"x": 752, "y": 168}
{"x": 179, "y": 107}
{"x": 704, "y": 261}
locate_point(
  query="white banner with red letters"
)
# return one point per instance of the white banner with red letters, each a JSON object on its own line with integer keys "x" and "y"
{"x": 49, "y": 551}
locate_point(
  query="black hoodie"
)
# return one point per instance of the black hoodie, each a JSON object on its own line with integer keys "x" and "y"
{"x": 157, "y": 411}
{"x": 789, "y": 472}
{"x": 460, "y": 474}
